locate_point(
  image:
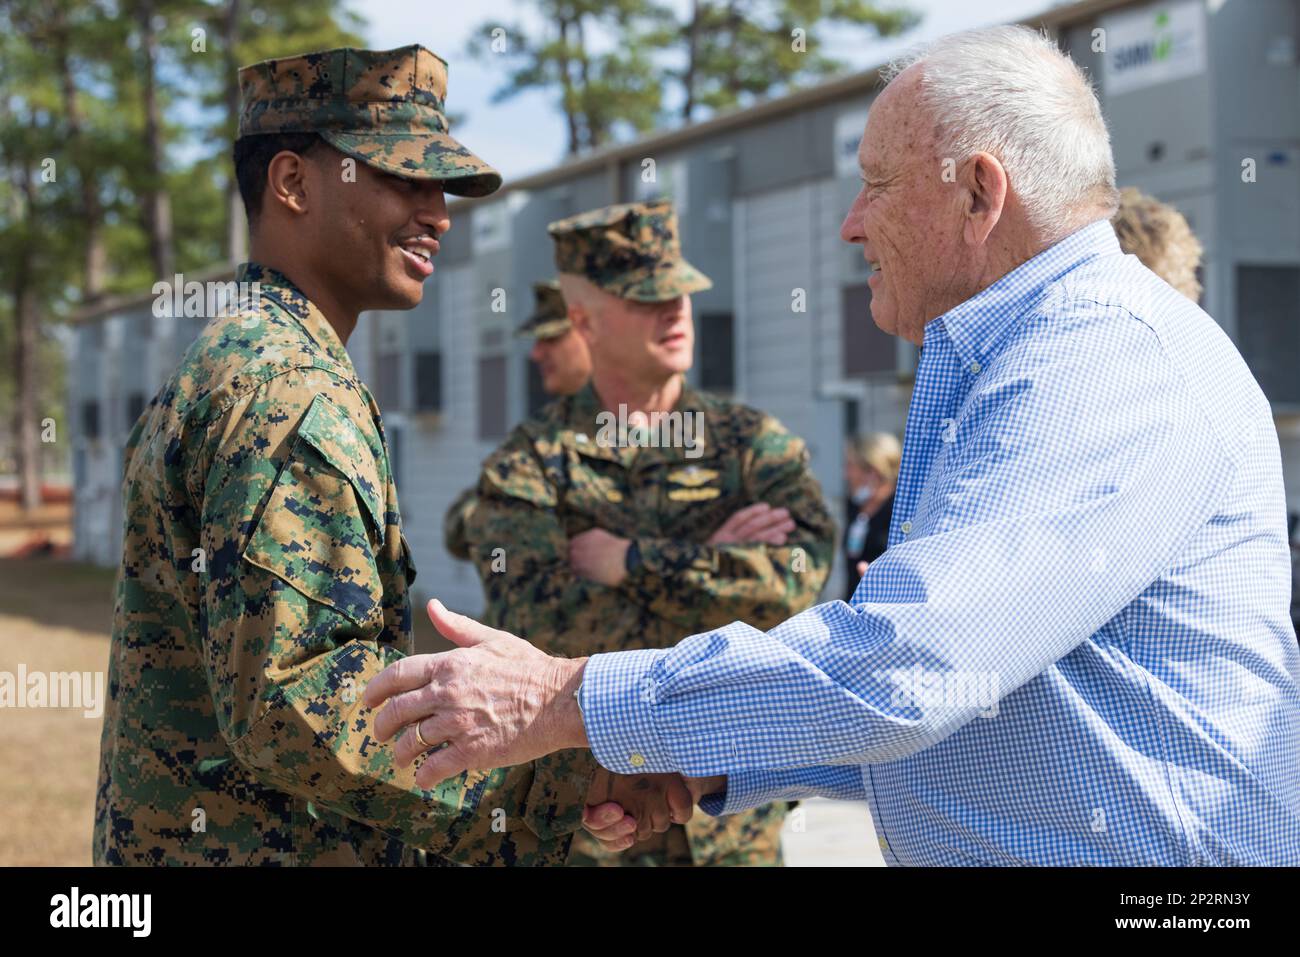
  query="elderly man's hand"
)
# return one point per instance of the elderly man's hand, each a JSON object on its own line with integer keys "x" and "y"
{"x": 599, "y": 556}
{"x": 758, "y": 523}
{"x": 625, "y": 808}
{"x": 496, "y": 701}
{"x": 617, "y": 826}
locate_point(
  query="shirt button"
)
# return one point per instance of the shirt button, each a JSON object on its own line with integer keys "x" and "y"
{"x": 975, "y": 368}
{"x": 907, "y": 527}
{"x": 636, "y": 760}
{"x": 884, "y": 845}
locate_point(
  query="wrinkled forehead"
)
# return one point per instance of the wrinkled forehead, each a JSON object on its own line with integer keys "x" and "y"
{"x": 897, "y": 130}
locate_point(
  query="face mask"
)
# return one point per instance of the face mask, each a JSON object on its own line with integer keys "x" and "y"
{"x": 857, "y": 537}
{"x": 863, "y": 492}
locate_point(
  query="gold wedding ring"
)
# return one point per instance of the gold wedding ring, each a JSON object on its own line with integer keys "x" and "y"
{"x": 419, "y": 737}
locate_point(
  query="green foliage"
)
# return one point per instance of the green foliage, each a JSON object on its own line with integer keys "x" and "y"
{"x": 93, "y": 168}
{"x": 607, "y": 63}
{"x": 598, "y": 90}
{"x": 745, "y": 49}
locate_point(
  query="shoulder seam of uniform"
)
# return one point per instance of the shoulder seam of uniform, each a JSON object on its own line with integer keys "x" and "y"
{"x": 254, "y": 384}
{"x": 212, "y": 417}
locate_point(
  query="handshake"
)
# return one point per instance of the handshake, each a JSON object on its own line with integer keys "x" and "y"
{"x": 623, "y": 809}
{"x": 497, "y": 701}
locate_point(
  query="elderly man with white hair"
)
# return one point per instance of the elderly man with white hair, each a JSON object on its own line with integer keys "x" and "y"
{"x": 1077, "y": 649}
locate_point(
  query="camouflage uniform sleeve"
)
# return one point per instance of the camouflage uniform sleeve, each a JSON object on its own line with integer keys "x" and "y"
{"x": 521, "y": 551}
{"x": 456, "y": 521}
{"x": 694, "y": 585}
{"x": 294, "y": 625}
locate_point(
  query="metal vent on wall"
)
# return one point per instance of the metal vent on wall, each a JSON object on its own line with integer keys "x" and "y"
{"x": 1268, "y": 329}
{"x": 428, "y": 382}
{"x": 717, "y": 351}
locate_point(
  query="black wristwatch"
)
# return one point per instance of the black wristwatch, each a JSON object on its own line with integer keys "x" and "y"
{"x": 632, "y": 558}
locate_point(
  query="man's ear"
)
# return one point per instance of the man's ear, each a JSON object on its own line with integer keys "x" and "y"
{"x": 581, "y": 320}
{"x": 286, "y": 182}
{"x": 984, "y": 183}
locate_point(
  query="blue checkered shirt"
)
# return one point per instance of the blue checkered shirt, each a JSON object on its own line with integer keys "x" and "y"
{"x": 1077, "y": 649}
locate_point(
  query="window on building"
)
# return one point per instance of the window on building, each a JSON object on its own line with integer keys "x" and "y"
{"x": 90, "y": 419}
{"x": 852, "y": 416}
{"x": 866, "y": 349}
{"x": 717, "y": 351}
{"x": 428, "y": 382}
{"x": 492, "y": 397}
{"x": 388, "y": 381}
{"x": 134, "y": 407}
{"x": 1268, "y": 328}
{"x": 537, "y": 396}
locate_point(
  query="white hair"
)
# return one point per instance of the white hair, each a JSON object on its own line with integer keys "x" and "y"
{"x": 1011, "y": 92}
{"x": 579, "y": 291}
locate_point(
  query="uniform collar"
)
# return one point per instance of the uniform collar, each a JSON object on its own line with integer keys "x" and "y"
{"x": 281, "y": 289}
{"x": 582, "y": 424}
{"x": 977, "y": 326}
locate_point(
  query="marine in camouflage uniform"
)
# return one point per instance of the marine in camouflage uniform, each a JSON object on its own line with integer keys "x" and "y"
{"x": 555, "y": 478}
{"x": 549, "y": 322}
{"x": 265, "y": 576}
{"x": 550, "y": 318}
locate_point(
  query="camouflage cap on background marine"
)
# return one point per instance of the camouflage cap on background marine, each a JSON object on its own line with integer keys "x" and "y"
{"x": 631, "y": 250}
{"x": 550, "y": 316}
{"x": 386, "y": 108}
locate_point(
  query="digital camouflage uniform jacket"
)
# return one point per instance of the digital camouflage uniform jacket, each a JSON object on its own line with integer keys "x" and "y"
{"x": 552, "y": 479}
{"x": 264, "y": 580}
{"x": 456, "y": 521}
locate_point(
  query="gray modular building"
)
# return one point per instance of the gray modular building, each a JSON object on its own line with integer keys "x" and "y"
{"x": 1203, "y": 102}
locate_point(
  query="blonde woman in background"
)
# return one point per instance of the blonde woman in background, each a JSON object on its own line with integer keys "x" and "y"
{"x": 1157, "y": 234}
{"x": 870, "y": 474}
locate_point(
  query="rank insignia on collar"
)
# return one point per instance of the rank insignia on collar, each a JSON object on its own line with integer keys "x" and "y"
{"x": 694, "y": 494}
{"x": 692, "y": 476}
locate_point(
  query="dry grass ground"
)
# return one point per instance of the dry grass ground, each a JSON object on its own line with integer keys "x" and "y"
{"x": 54, "y": 616}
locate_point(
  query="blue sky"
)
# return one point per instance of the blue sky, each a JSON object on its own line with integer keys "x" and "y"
{"x": 526, "y": 134}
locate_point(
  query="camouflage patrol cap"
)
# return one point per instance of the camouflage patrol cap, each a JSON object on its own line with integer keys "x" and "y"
{"x": 383, "y": 107}
{"x": 631, "y": 250}
{"x": 550, "y": 316}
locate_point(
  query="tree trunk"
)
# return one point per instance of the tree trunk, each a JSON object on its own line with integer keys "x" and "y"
{"x": 157, "y": 203}
{"x": 692, "y": 53}
{"x": 236, "y": 219}
{"x": 595, "y": 132}
{"x": 27, "y": 340}
{"x": 733, "y": 82}
{"x": 566, "y": 79}
{"x": 95, "y": 254}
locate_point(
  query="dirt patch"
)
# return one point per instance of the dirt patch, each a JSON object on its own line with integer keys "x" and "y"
{"x": 49, "y": 526}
